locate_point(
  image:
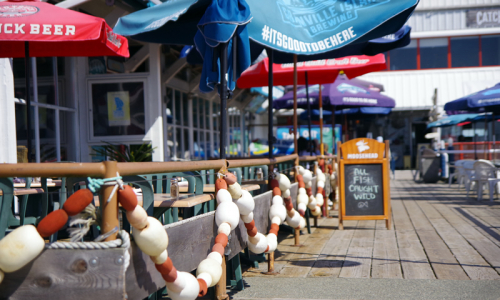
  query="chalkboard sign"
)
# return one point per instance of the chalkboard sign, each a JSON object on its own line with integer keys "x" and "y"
{"x": 364, "y": 181}
{"x": 363, "y": 190}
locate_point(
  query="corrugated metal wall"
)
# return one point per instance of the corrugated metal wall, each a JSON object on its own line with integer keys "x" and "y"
{"x": 414, "y": 89}
{"x": 436, "y": 15}
{"x": 438, "y": 20}
{"x": 451, "y": 4}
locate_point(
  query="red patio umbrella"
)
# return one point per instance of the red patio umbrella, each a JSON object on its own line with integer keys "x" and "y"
{"x": 38, "y": 29}
{"x": 318, "y": 71}
{"x": 55, "y": 31}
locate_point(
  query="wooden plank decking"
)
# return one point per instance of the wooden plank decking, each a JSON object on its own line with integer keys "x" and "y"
{"x": 437, "y": 233}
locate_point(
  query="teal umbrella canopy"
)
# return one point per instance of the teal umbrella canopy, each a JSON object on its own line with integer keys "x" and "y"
{"x": 308, "y": 27}
{"x": 302, "y": 27}
{"x": 455, "y": 119}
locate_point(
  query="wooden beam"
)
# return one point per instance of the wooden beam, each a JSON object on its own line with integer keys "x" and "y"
{"x": 177, "y": 84}
{"x": 194, "y": 84}
{"x": 242, "y": 105}
{"x": 173, "y": 70}
{"x": 236, "y": 94}
{"x": 135, "y": 61}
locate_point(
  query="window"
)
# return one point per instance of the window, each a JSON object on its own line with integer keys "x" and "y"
{"x": 490, "y": 48}
{"x": 179, "y": 132}
{"x": 453, "y": 52}
{"x": 464, "y": 51}
{"x": 404, "y": 58}
{"x": 50, "y": 112}
{"x": 433, "y": 53}
{"x": 118, "y": 109}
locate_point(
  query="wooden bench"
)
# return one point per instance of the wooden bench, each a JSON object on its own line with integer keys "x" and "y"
{"x": 30, "y": 191}
{"x": 185, "y": 200}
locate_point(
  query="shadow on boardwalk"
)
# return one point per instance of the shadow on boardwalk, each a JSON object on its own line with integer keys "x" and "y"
{"x": 437, "y": 233}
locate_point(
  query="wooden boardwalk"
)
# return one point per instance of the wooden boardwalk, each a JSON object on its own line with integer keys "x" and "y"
{"x": 438, "y": 233}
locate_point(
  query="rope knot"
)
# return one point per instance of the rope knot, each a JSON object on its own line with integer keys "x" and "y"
{"x": 96, "y": 183}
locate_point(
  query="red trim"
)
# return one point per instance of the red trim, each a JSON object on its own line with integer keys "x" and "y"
{"x": 388, "y": 60}
{"x": 480, "y": 52}
{"x": 418, "y": 54}
{"x": 449, "y": 52}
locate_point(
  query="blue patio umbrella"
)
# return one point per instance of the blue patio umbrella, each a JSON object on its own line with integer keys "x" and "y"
{"x": 311, "y": 27}
{"x": 485, "y": 100}
{"x": 399, "y": 39}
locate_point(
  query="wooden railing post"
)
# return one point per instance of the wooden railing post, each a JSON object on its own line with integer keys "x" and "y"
{"x": 220, "y": 287}
{"x": 270, "y": 263}
{"x": 296, "y": 230}
{"x": 270, "y": 256}
{"x": 110, "y": 209}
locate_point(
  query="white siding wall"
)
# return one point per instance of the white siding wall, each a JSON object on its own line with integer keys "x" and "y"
{"x": 438, "y": 20}
{"x": 414, "y": 89}
{"x": 451, "y": 4}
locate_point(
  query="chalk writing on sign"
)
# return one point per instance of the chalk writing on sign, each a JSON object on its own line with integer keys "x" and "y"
{"x": 363, "y": 189}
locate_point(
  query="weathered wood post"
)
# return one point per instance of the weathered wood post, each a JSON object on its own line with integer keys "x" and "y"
{"x": 110, "y": 209}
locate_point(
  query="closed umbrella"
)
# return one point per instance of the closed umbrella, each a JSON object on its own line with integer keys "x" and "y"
{"x": 39, "y": 29}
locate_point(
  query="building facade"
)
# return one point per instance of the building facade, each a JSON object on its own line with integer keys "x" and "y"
{"x": 156, "y": 86}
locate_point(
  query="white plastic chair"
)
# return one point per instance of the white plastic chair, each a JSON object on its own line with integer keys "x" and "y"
{"x": 469, "y": 178}
{"x": 459, "y": 173}
{"x": 485, "y": 174}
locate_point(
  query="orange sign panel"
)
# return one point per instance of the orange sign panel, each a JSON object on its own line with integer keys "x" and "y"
{"x": 364, "y": 181}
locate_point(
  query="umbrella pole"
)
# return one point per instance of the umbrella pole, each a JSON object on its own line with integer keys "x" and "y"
{"x": 474, "y": 139}
{"x": 295, "y": 133}
{"x": 333, "y": 130}
{"x": 295, "y": 122}
{"x": 223, "y": 100}
{"x": 494, "y": 138}
{"x": 270, "y": 137}
{"x": 308, "y": 114}
{"x": 27, "y": 70}
{"x": 485, "y": 137}
{"x": 321, "y": 147}
{"x": 270, "y": 107}
{"x": 220, "y": 288}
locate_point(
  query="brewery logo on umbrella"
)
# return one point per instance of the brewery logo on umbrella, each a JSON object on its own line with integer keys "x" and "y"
{"x": 317, "y": 16}
{"x": 312, "y": 89}
{"x": 344, "y": 87}
{"x": 14, "y": 10}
